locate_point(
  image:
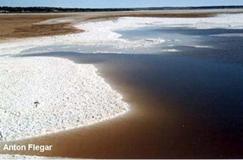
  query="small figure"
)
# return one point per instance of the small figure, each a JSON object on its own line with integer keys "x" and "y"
{"x": 36, "y": 103}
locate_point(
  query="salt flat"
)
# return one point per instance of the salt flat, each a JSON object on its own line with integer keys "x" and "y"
{"x": 46, "y": 95}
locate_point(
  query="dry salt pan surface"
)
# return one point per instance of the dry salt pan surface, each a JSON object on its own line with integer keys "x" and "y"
{"x": 46, "y": 95}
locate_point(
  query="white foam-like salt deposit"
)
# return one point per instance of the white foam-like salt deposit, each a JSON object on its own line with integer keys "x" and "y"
{"x": 46, "y": 95}
{"x": 201, "y": 46}
{"x": 169, "y": 50}
{"x": 226, "y": 21}
{"x": 228, "y": 35}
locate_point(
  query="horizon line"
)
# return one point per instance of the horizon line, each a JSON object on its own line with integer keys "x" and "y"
{"x": 201, "y": 6}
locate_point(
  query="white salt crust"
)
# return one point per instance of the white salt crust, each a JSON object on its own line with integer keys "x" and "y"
{"x": 67, "y": 95}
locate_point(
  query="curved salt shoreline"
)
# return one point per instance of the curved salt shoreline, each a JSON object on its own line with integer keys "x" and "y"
{"x": 25, "y": 81}
{"x": 69, "y": 95}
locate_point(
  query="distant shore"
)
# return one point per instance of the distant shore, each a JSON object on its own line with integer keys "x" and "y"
{"x": 44, "y": 9}
{"x": 24, "y": 25}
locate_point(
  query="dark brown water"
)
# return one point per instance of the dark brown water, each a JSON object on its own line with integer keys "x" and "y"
{"x": 183, "y": 105}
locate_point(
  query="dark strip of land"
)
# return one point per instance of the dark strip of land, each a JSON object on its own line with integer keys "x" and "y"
{"x": 7, "y": 9}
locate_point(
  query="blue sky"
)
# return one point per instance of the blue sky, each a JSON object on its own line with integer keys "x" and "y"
{"x": 117, "y": 3}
